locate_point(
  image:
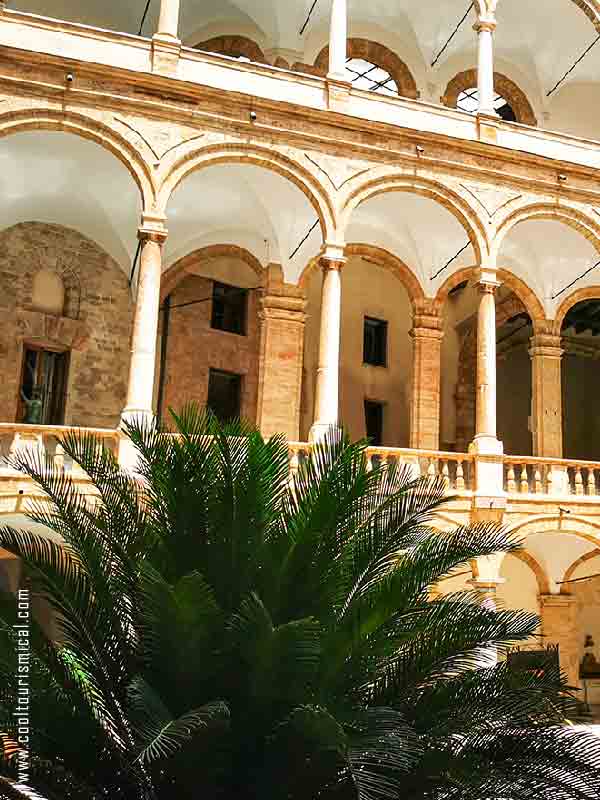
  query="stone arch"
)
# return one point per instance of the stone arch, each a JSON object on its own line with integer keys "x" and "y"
{"x": 573, "y": 525}
{"x": 516, "y": 97}
{"x": 358, "y": 192}
{"x": 177, "y": 271}
{"x": 205, "y": 157}
{"x": 589, "y": 293}
{"x": 382, "y": 258}
{"x": 571, "y": 570}
{"x": 566, "y": 215}
{"x": 234, "y": 46}
{"x": 86, "y": 128}
{"x": 382, "y": 57}
{"x": 537, "y": 569}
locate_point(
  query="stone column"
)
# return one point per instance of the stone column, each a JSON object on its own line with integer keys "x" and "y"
{"x": 145, "y": 325}
{"x": 489, "y": 478}
{"x": 560, "y": 626}
{"x": 281, "y": 356}
{"x": 485, "y": 417}
{"x": 328, "y": 371}
{"x": 485, "y": 66}
{"x": 168, "y": 20}
{"x": 166, "y": 45}
{"x": 425, "y": 393}
{"x": 546, "y": 397}
{"x": 487, "y": 589}
{"x": 338, "y": 40}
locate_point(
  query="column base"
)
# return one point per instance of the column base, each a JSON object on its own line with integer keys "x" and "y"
{"x": 489, "y": 499}
{"x": 165, "y": 54}
{"x": 130, "y": 416}
{"x": 487, "y": 126}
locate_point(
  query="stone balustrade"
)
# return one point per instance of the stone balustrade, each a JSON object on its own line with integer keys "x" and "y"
{"x": 553, "y": 477}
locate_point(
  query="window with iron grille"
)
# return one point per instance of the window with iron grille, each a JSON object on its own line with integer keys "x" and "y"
{"x": 365, "y": 75}
{"x": 229, "y": 305}
{"x": 469, "y": 101}
{"x": 374, "y": 422}
{"x": 375, "y": 342}
{"x": 224, "y": 394}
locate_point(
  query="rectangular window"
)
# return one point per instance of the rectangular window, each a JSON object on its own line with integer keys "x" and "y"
{"x": 43, "y": 387}
{"x": 229, "y": 308}
{"x": 374, "y": 422}
{"x": 224, "y": 394}
{"x": 375, "y": 342}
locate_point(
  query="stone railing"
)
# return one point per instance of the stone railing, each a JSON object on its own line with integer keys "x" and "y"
{"x": 548, "y": 476}
{"x": 456, "y": 469}
{"x": 45, "y": 439}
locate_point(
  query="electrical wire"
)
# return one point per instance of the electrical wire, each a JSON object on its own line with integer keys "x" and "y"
{"x": 452, "y": 35}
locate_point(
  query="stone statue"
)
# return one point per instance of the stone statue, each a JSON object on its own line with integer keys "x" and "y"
{"x": 34, "y": 406}
{"x": 589, "y": 665}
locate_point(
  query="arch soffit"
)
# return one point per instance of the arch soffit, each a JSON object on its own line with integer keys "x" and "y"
{"x": 358, "y": 192}
{"x": 383, "y": 258}
{"x": 178, "y": 271}
{"x": 588, "y": 293}
{"x": 573, "y": 217}
{"x": 204, "y": 157}
{"x": 537, "y": 569}
{"x": 378, "y": 54}
{"x": 571, "y": 570}
{"x": 503, "y": 85}
{"x": 91, "y": 129}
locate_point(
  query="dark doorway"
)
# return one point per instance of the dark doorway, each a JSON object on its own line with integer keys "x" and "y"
{"x": 46, "y": 370}
{"x": 224, "y": 394}
{"x": 374, "y": 422}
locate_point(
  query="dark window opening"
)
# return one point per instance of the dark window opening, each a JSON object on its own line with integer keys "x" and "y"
{"x": 375, "y": 342}
{"x": 224, "y": 394}
{"x": 43, "y": 388}
{"x": 374, "y": 422}
{"x": 229, "y": 308}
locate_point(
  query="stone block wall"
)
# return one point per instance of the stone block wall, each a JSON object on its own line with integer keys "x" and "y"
{"x": 95, "y": 325}
{"x": 193, "y": 348}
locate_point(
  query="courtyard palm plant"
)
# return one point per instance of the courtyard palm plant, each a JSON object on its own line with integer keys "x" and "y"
{"x": 226, "y": 630}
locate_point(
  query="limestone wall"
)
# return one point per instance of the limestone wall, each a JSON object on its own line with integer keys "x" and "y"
{"x": 95, "y": 324}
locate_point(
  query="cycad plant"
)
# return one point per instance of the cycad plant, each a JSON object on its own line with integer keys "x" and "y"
{"x": 227, "y": 631}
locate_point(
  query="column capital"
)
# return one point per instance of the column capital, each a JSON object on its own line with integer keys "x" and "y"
{"x": 485, "y": 24}
{"x": 557, "y": 600}
{"x": 486, "y": 279}
{"x": 487, "y": 587}
{"x": 152, "y": 227}
{"x": 427, "y": 320}
{"x": 546, "y": 345}
{"x": 332, "y": 263}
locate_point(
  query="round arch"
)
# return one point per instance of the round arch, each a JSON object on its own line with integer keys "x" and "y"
{"x": 574, "y": 525}
{"x": 86, "y": 128}
{"x": 383, "y": 258}
{"x": 175, "y": 273}
{"x": 537, "y": 569}
{"x": 508, "y": 89}
{"x": 571, "y": 570}
{"x": 572, "y": 217}
{"x": 588, "y": 293}
{"x": 234, "y": 46}
{"x": 358, "y": 192}
{"x": 382, "y": 57}
{"x": 205, "y": 157}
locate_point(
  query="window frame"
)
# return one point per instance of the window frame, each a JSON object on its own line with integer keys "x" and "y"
{"x": 245, "y": 294}
{"x": 383, "y": 325}
{"x": 239, "y": 379}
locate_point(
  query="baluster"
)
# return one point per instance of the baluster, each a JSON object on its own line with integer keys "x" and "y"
{"x": 539, "y": 488}
{"x": 59, "y": 457}
{"x": 578, "y": 481}
{"x": 524, "y": 479}
{"x": 511, "y": 483}
{"x": 431, "y": 469}
{"x": 549, "y": 480}
{"x": 446, "y": 474}
{"x": 369, "y": 461}
{"x": 383, "y": 460}
{"x": 294, "y": 464}
{"x": 591, "y": 482}
{"x": 460, "y": 476}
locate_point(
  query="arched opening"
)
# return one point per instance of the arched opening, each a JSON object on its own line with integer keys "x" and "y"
{"x": 581, "y": 380}
{"x": 66, "y": 255}
{"x": 510, "y": 102}
{"x": 375, "y": 351}
{"x": 373, "y": 67}
{"x": 239, "y": 47}
{"x": 231, "y": 225}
